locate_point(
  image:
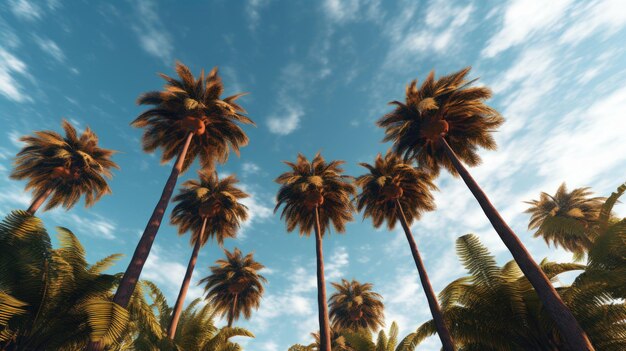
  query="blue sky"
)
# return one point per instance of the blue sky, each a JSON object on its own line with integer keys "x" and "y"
{"x": 319, "y": 75}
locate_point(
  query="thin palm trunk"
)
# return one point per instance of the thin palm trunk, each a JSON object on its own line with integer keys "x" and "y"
{"x": 435, "y": 310}
{"x": 321, "y": 288}
{"x": 131, "y": 276}
{"x": 574, "y": 336}
{"x": 233, "y": 308}
{"x": 178, "y": 307}
{"x": 38, "y": 201}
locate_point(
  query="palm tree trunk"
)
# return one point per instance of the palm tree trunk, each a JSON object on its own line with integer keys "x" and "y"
{"x": 435, "y": 310}
{"x": 131, "y": 276}
{"x": 574, "y": 336}
{"x": 233, "y": 308}
{"x": 321, "y": 288}
{"x": 38, "y": 201}
{"x": 178, "y": 307}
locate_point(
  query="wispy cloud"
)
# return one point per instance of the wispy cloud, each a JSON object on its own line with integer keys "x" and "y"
{"x": 9, "y": 86}
{"x": 50, "y": 47}
{"x": 152, "y": 35}
{"x": 523, "y": 18}
{"x": 289, "y": 111}
{"x": 25, "y": 9}
{"x": 286, "y": 121}
{"x": 253, "y": 8}
{"x": 604, "y": 17}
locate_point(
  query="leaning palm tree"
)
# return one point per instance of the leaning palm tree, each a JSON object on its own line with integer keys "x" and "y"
{"x": 64, "y": 168}
{"x": 355, "y": 306}
{"x": 442, "y": 124}
{"x": 210, "y": 209}
{"x": 316, "y": 194}
{"x": 395, "y": 191}
{"x": 187, "y": 107}
{"x": 566, "y": 219}
{"x": 234, "y": 286}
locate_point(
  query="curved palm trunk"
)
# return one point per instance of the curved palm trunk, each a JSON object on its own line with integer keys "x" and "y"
{"x": 321, "y": 288}
{"x": 573, "y": 335}
{"x": 131, "y": 276}
{"x": 178, "y": 307}
{"x": 38, "y": 201}
{"x": 435, "y": 310}
{"x": 233, "y": 308}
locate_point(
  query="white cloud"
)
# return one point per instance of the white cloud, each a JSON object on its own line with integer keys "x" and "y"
{"x": 444, "y": 26}
{"x": 25, "y": 10}
{"x": 252, "y": 11}
{"x": 250, "y": 168}
{"x": 341, "y": 10}
{"x": 286, "y": 121}
{"x": 152, "y": 35}
{"x": 522, "y": 19}
{"x": 336, "y": 264}
{"x": 605, "y": 17}
{"x": 9, "y": 86}
{"x": 258, "y": 209}
{"x": 51, "y": 48}
{"x": 92, "y": 224}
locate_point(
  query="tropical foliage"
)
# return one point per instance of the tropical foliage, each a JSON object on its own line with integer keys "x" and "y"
{"x": 235, "y": 286}
{"x": 64, "y": 168}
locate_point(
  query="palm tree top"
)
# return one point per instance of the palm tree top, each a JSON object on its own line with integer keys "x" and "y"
{"x": 448, "y": 107}
{"x": 314, "y": 184}
{"x": 193, "y": 105}
{"x": 235, "y": 278}
{"x": 72, "y": 166}
{"x": 355, "y": 306}
{"x": 566, "y": 219}
{"x": 217, "y": 201}
{"x": 390, "y": 179}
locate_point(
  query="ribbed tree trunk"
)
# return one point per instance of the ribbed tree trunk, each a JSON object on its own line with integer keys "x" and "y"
{"x": 321, "y": 288}
{"x": 131, "y": 276}
{"x": 233, "y": 308}
{"x": 435, "y": 310}
{"x": 38, "y": 201}
{"x": 573, "y": 335}
{"x": 180, "y": 300}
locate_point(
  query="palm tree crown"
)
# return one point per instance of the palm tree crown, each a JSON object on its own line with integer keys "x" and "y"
{"x": 192, "y": 105}
{"x": 355, "y": 306}
{"x": 566, "y": 219}
{"x": 70, "y": 166}
{"x": 211, "y": 198}
{"x": 311, "y": 184}
{"x": 391, "y": 179}
{"x": 235, "y": 286}
{"x": 446, "y": 107}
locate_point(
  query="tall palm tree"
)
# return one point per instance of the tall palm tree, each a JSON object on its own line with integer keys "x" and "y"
{"x": 363, "y": 340}
{"x": 234, "y": 286}
{"x": 495, "y": 308}
{"x": 210, "y": 208}
{"x": 566, "y": 219}
{"x": 394, "y": 191}
{"x": 442, "y": 124}
{"x": 65, "y": 168}
{"x": 316, "y": 194}
{"x": 187, "y": 107}
{"x": 355, "y": 306}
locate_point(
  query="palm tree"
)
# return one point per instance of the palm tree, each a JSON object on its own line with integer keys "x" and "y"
{"x": 51, "y": 298}
{"x": 495, "y": 308}
{"x": 355, "y": 306}
{"x": 187, "y": 107}
{"x": 442, "y": 124}
{"x": 210, "y": 208}
{"x": 566, "y": 219}
{"x": 394, "y": 191}
{"x": 234, "y": 286}
{"x": 65, "y": 168}
{"x": 314, "y": 194}
{"x": 362, "y": 340}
